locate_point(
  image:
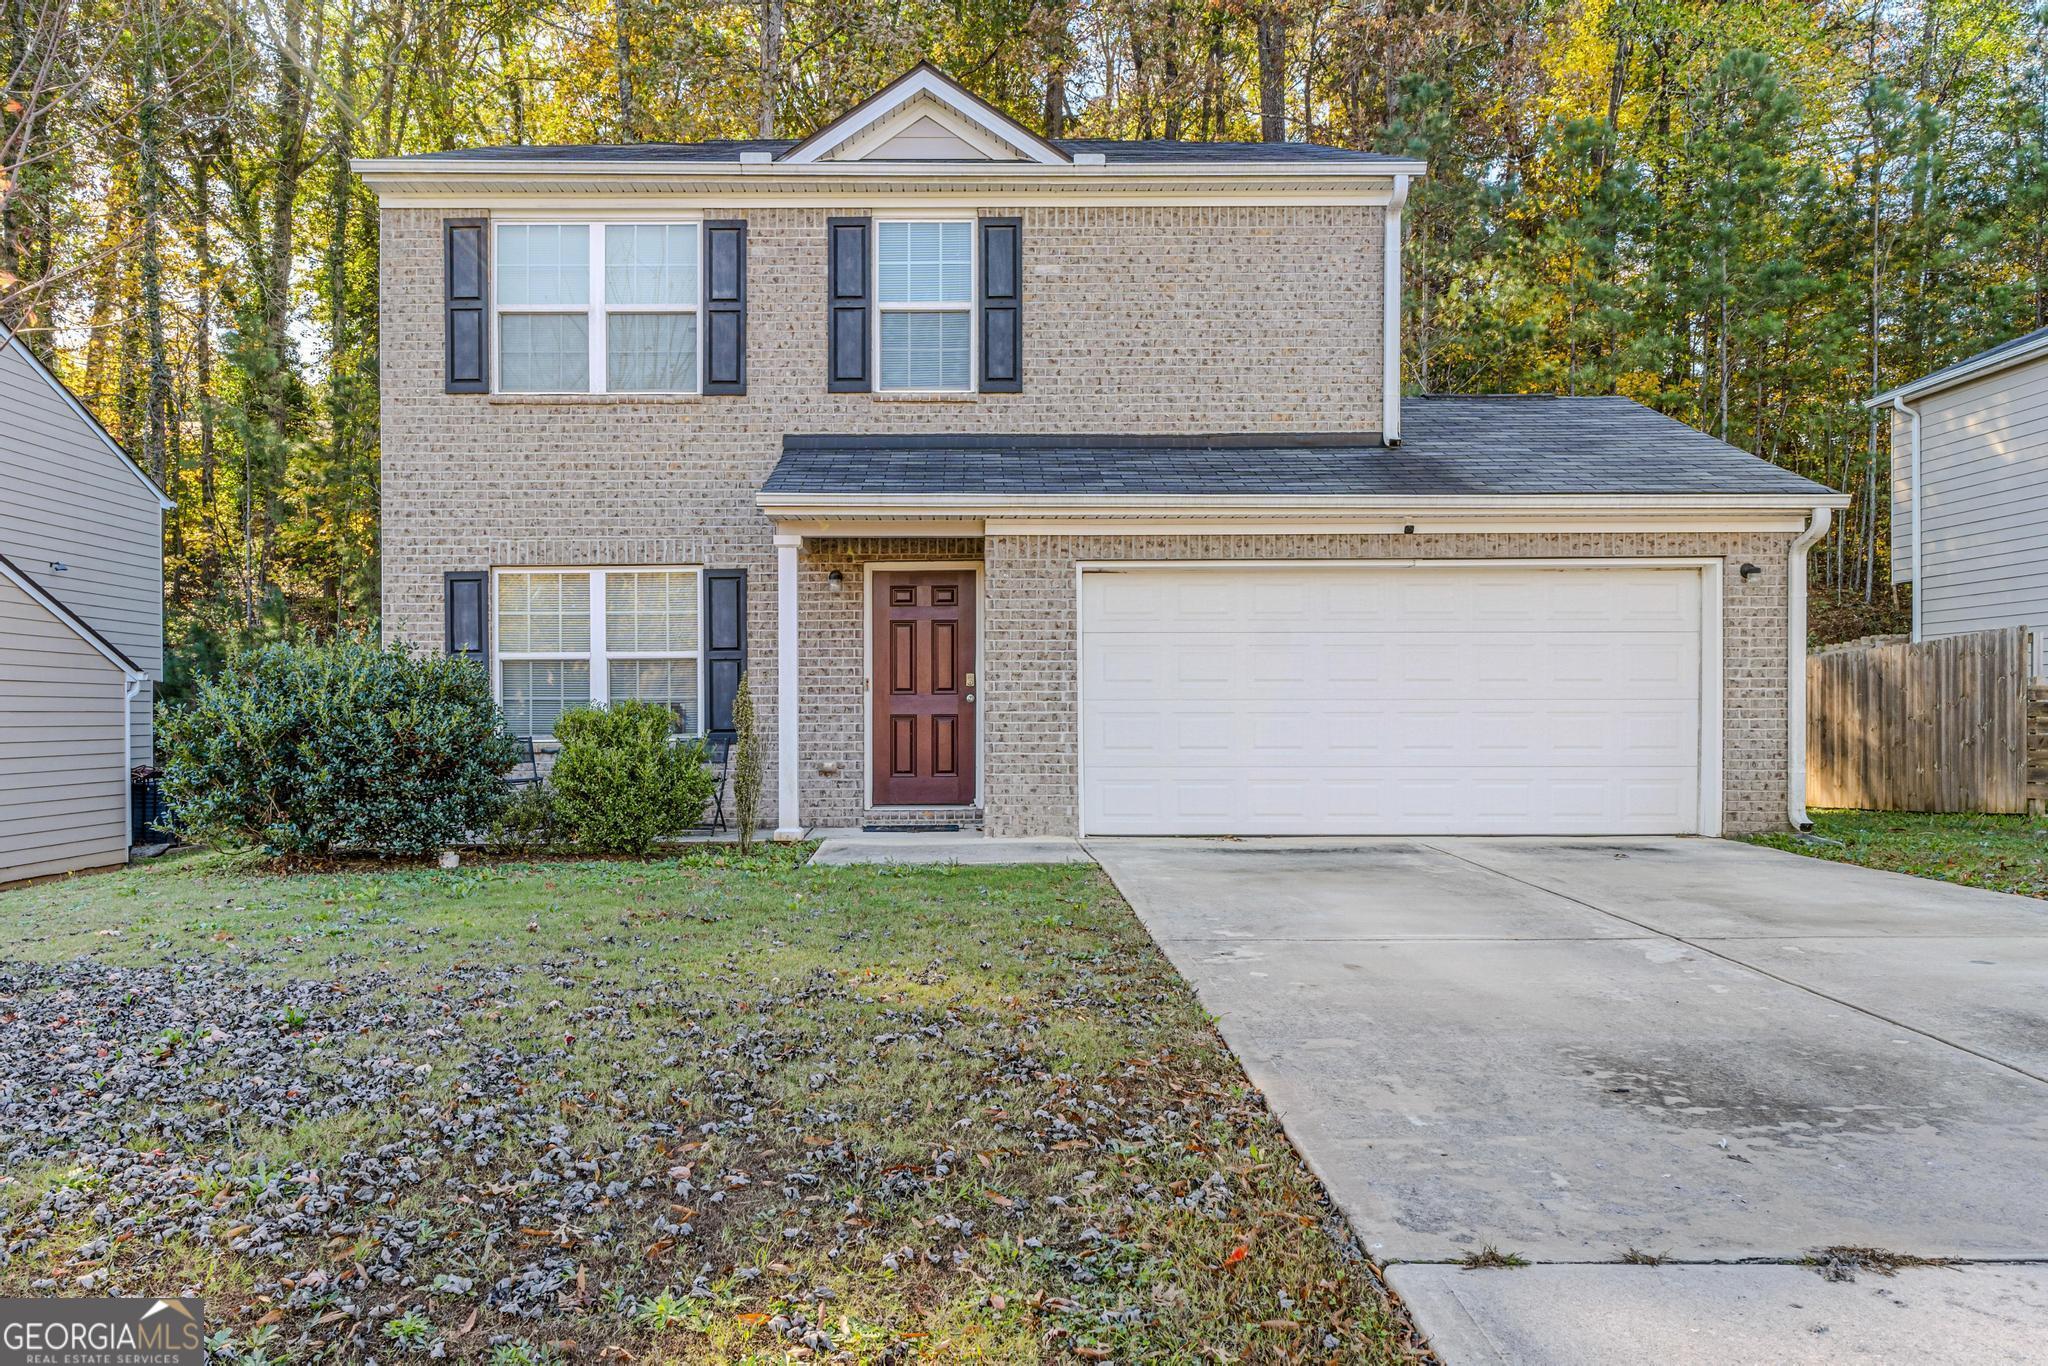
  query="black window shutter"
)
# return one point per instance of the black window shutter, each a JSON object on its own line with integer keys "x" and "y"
{"x": 1002, "y": 305}
{"x": 466, "y": 278}
{"x": 464, "y": 606}
{"x": 847, "y": 303}
{"x": 725, "y": 645}
{"x": 725, "y": 307}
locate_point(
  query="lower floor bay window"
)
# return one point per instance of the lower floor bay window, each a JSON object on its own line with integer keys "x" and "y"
{"x": 569, "y": 638}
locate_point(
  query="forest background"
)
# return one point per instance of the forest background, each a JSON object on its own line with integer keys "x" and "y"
{"x": 1748, "y": 214}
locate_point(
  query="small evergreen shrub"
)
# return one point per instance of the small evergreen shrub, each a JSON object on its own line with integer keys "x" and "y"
{"x": 622, "y": 781}
{"x": 746, "y": 766}
{"x": 529, "y": 822}
{"x": 344, "y": 747}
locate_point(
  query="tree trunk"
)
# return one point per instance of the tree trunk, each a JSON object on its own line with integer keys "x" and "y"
{"x": 771, "y": 63}
{"x": 1272, "y": 40}
{"x": 622, "y": 60}
{"x": 149, "y": 146}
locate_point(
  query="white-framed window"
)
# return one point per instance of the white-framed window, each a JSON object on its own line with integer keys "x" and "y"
{"x": 598, "y": 308}
{"x": 568, "y": 638}
{"x": 924, "y": 304}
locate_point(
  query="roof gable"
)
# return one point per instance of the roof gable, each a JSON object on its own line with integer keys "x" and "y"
{"x": 78, "y": 625}
{"x": 9, "y": 343}
{"x": 892, "y": 124}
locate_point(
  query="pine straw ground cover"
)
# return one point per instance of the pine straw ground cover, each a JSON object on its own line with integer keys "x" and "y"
{"x": 695, "y": 1110}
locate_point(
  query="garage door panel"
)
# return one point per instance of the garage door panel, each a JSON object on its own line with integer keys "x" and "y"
{"x": 1400, "y": 700}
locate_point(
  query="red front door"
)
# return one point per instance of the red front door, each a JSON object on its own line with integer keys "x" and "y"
{"x": 923, "y": 688}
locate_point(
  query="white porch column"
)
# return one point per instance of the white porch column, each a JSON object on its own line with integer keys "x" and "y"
{"x": 788, "y": 822}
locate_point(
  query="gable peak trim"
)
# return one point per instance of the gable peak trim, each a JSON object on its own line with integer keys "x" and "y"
{"x": 926, "y": 80}
{"x": 10, "y": 342}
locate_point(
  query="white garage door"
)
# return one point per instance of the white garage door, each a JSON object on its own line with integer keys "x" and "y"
{"x": 1441, "y": 699}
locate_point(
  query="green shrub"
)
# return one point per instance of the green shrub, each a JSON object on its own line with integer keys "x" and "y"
{"x": 529, "y": 822}
{"x": 343, "y": 747}
{"x": 622, "y": 781}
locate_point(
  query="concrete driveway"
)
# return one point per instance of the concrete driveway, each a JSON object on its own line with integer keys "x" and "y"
{"x": 1568, "y": 1049}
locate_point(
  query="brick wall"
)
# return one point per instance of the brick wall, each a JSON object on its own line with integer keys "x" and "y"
{"x": 1140, "y": 319}
{"x": 1028, "y": 700}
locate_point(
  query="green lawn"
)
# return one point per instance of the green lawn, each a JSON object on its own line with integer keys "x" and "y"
{"x": 2004, "y": 853}
{"x": 703, "y": 1110}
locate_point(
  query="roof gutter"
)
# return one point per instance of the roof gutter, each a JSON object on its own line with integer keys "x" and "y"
{"x": 974, "y": 504}
{"x": 521, "y": 168}
{"x": 1961, "y": 373}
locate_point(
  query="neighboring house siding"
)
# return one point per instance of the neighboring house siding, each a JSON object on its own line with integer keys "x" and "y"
{"x": 1139, "y": 319}
{"x": 69, "y": 499}
{"x": 1984, "y": 461}
{"x": 63, "y": 781}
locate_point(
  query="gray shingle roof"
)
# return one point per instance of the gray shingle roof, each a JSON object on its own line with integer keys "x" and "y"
{"x": 1970, "y": 364}
{"x": 1151, "y": 150}
{"x": 1452, "y": 446}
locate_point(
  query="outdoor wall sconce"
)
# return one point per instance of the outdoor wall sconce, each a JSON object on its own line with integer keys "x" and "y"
{"x": 835, "y": 581}
{"x": 1750, "y": 571}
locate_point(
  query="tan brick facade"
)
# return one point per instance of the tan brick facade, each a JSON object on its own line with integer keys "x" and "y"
{"x": 1137, "y": 318}
{"x": 1029, "y": 704}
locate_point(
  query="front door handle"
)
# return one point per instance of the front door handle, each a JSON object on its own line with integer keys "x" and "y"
{"x": 970, "y": 697}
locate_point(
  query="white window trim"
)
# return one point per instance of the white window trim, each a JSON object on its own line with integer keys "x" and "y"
{"x": 599, "y": 657}
{"x": 972, "y": 306}
{"x": 595, "y": 309}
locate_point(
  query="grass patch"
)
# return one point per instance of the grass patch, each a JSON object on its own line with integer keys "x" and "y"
{"x": 698, "y": 1109}
{"x": 1491, "y": 1258}
{"x": 1842, "y": 1263}
{"x": 2002, "y": 853}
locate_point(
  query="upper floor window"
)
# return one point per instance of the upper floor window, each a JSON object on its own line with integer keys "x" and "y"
{"x": 597, "y": 308}
{"x": 924, "y": 275}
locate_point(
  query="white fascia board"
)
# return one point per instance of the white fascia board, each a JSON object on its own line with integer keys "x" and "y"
{"x": 1961, "y": 374}
{"x": 14, "y": 343}
{"x": 394, "y": 174}
{"x": 1529, "y": 506}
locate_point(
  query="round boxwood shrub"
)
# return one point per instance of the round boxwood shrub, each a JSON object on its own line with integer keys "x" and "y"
{"x": 623, "y": 781}
{"x": 346, "y": 747}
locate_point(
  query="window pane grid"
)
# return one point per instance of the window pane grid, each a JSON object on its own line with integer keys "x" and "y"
{"x": 538, "y": 691}
{"x": 650, "y": 263}
{"x": 926, "y": 350}
{"x": 543, "y": 263}
{"x": 650, "y": 613}
{"x": 544, "y": 613}
{"x": 650, "y": 352}
{"x": 925, "y": 262}
{"x": 670, "y": 682}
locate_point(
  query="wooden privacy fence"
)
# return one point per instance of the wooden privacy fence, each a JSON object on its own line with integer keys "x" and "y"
{"x": 1945, "y": 725}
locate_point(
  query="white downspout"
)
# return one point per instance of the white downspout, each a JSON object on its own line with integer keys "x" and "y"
{"x": 1390, "y": 321}
{"x": 1795, "y": 674}
{"x": 135, "y": 682}
{"x": 1913, "y": 508}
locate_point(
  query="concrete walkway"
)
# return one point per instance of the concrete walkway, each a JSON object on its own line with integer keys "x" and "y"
{"x": 966, "y": 847}
{"x": 1694, "y": 1049}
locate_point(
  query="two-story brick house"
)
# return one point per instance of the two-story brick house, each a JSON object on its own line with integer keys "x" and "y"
{"x": 1066, "y": 486}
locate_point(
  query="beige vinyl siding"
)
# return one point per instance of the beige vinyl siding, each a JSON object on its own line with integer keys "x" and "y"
{"x": 65, "y": 497}
{"x": 63, "y": 778}
{"x": 1984, "y": 462}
